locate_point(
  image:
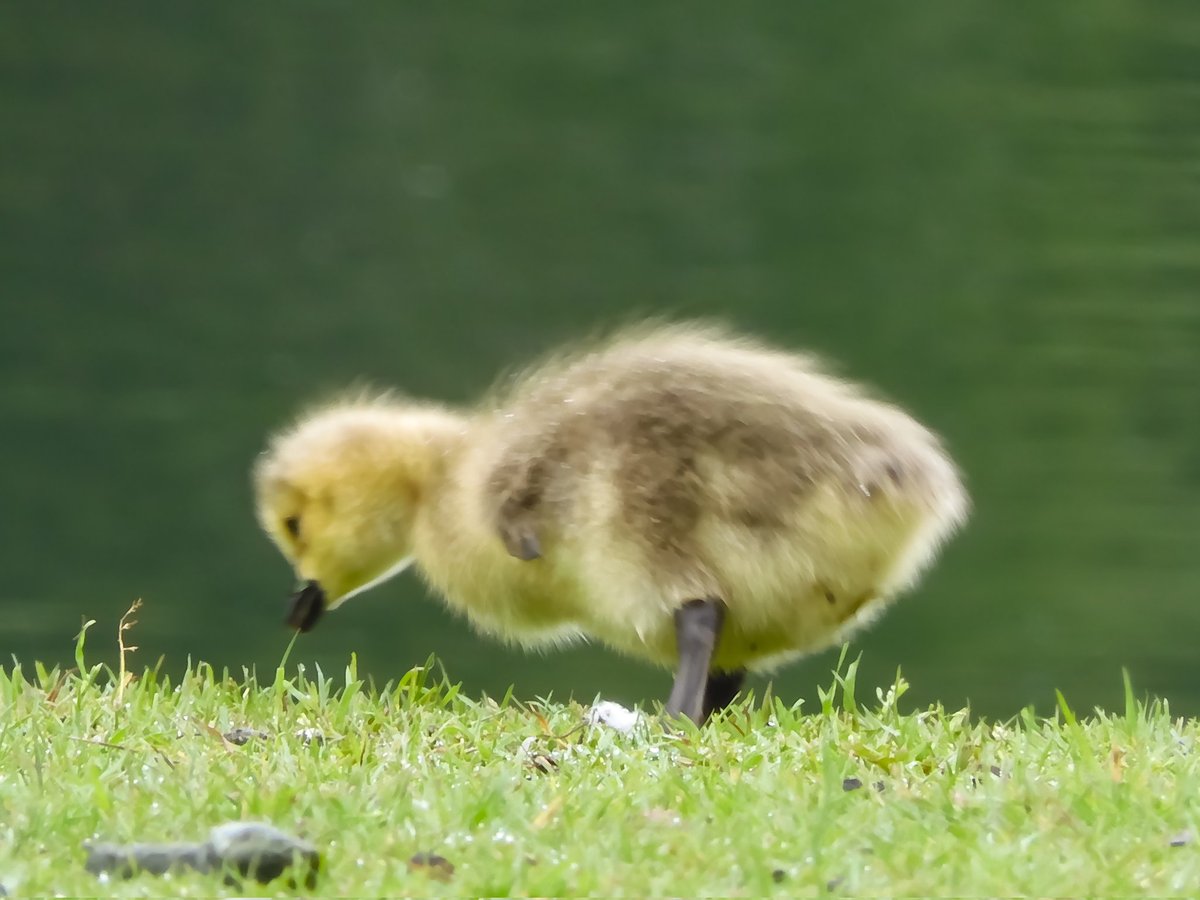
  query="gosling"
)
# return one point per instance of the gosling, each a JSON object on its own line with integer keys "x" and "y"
{"x": 677, "y": 492}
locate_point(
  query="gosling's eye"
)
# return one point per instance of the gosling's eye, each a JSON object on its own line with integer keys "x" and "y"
{"x": 292, "y": 525}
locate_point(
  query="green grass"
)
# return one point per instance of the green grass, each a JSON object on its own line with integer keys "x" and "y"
{"x": 757, "y": 803}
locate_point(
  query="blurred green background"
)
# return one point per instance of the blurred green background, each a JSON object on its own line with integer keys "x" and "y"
{"x": 210, "y": 215}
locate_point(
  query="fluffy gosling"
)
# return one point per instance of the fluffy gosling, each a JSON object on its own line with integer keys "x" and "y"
{"x": 681, "y": 494}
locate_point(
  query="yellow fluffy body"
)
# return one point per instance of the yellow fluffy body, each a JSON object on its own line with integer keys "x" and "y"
{"x": 666, "y": 465}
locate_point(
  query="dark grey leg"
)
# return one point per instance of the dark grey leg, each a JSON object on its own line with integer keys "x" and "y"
{"x": 697, "y": 627}
{"x": 722, "y": 687}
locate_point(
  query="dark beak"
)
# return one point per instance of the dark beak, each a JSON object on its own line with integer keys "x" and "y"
{"x": 307, "y": 604}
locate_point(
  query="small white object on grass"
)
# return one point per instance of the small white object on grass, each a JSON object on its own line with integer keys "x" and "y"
{"x": 614, "y": 715}
{"x": 310, "y": 736}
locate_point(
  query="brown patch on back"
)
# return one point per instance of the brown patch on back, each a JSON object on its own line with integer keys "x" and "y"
{"x": 759, "y": 518}
{"x": 655, "y": 433}
{"x": 681, "y": 436}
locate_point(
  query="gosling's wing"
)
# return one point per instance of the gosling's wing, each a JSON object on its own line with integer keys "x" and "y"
{"x": 520, "y": 540}
{"x": 514, "y": 491}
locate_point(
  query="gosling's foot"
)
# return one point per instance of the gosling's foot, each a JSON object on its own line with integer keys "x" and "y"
{"x": 721, "y": 690}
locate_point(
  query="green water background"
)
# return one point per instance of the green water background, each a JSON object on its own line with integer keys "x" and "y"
{"x": 210, "y": 215}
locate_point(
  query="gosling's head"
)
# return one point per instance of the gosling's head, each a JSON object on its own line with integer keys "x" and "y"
{"x": 338, "y": 494}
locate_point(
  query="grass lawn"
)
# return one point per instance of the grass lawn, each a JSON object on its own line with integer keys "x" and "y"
{"x": 852, "y": 798}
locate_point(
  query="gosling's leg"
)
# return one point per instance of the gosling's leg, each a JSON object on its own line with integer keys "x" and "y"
{"x": 697, "y": 627}
{"x": 720, "y": 690}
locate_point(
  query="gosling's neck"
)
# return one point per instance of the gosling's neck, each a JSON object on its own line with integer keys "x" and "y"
{"x": 423, "y": 443}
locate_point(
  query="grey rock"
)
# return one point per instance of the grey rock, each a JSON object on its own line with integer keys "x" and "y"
{"x": 249, "y": 849}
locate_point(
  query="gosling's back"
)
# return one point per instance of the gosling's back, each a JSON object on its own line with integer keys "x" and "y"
{"x": 681, "y": 463}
